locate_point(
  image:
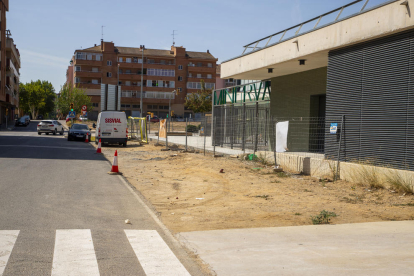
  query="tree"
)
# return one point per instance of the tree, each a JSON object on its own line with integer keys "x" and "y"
{"x": 75, "y": 95}
{"x": 199, "y": 102}
{"x": 37, "y": 97}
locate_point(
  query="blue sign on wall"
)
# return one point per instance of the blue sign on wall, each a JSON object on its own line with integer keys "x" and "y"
{"x": 334, "y": 128}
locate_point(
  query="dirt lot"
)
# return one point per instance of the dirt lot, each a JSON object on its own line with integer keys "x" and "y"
{"x": 190, "y": 193}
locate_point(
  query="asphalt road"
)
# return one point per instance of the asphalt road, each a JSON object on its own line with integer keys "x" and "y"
{"x": 62, "y": 214}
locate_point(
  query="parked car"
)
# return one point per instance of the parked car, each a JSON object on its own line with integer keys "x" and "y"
{"x": 154, "y": 119}
{"x": 179, "y": 119}
{"x": 79, "y": 131}
{"x": 26, "y": 116}
{"x": 83, "y": 118}
{"x": 111, "y": 128}
{"x": 50, "y": 126}
{"x": 40, "y": 117}
{"x": 22, "y": 121}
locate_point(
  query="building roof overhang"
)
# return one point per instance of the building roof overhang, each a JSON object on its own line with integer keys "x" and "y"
{"x": 314, "y": 46}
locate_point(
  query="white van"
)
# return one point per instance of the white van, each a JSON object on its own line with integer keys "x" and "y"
{"x": 112, "y": 128}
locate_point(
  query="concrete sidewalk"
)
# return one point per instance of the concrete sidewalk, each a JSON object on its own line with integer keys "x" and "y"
{"x": 198, "y": 142}
{"x": 378, "y": 248}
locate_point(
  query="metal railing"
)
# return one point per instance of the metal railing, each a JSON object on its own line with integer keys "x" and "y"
{"x": 298, "y": 29}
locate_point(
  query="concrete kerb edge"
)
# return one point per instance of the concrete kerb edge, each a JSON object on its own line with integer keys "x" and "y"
{"x": 154, "y": 215}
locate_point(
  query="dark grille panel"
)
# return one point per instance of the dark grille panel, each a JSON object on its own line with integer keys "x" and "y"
{"x": 371, "y": 85}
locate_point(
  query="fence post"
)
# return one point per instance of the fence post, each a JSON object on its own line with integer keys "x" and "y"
{"x": 214, "y": 138}
{"x": 204, "y": 133}
{"x": 257, "y": 127}
{"x": 265, "y": 130}
{"x": 166, "y": 135}
{"x": 149, "y": 126}
{"x": 186, "y": 123}
{"x": 274, "y": 133}
{"x": 159, "y": 127}
{"x": 232, "y": 127}
{"x": 244, "y": 128}
{"x": 339, "y": 148}
{"x": 172, "y": 127}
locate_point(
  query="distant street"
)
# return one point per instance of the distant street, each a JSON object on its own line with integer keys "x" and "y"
{"x": 62, "y": 214}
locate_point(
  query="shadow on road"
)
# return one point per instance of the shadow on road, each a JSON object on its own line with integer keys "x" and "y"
{"x": 42, "y": 147}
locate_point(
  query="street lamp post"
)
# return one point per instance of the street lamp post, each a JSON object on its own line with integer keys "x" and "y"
{"x": 142, "y": 78}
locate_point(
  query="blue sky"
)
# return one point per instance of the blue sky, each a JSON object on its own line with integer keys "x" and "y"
{"x": 47, "y": 32}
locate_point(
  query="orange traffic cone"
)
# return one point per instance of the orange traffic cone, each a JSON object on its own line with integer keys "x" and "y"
{"x": 98, "y": 150}
{"x": 86, "y": 140}
{"x": 115, "y": 163}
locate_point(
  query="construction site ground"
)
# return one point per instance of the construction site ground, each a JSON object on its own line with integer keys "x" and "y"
{"x": 190, "y": 193}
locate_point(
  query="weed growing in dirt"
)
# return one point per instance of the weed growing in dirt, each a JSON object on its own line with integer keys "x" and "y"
{"x": 324, "y": 217}
{"x": 275, "y": 181}
{"x": 282, "y": 174}
{"x": 368, "y": 174}
{"x": 407, "y": 204}
{"x": 400, "y": 183}
{"x": 266, "y": 197}
{"x": 307, "y": 191}
{"x": 298, "y": 214}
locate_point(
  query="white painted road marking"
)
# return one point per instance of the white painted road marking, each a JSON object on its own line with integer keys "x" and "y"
{"x": 154, "y": 255}
{"x": 74, "y": 253}
{"x": 7, "y": 240}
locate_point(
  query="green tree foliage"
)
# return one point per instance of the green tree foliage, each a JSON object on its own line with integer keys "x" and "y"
{"x": 75, "y": 95}
{"x": 199, "y": 102}
{"x": 37, "y": 97}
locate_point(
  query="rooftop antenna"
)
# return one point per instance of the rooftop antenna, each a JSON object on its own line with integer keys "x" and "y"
{"x": 102, "y": 32}
{"x": 174, "y": 34}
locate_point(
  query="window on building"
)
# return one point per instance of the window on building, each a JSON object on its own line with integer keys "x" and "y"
{"x": 150, "y": 61}
{"x": 209, "y": 76}
{"x": 109, "y": 62}
{"x": 190, "y": 75}
{"x": 135, "y": 106}
{"x": 180, "y": 89}
{"x": 162, "y": 61}
{"x": 95, "y": 104}
{"x": 199, "y": 76}
{"x": 77, "y": 80}
{"x": 199, "y": 64}
{"x": 94, "y": 69}
{"x": 180, "y": 67}
{"x": 95, "y": 81}
{"x": 109, "y": 74}
{"x": 128, "y": 71}
{"x": 120, "y": 59}
{"x": 127, "y": 83}
{"x": 120, "y": 71}
{"x": 77, "y": 68}
{"x": 161, "y": 72}
{"x": 80, "y": 55}
{"x": 89, "y": 56}
{"x": 128, "y": 60}
{"x": 152, "y": 106}
{"x": 197, "y": 85}
{"x": 180, "y": 78}
{"x": 209, "y": 65}
{"x": 98, "y": 57}
{"x": 190, "y": 64}
{"x": 140, "y": 60}
{"x": 172, "y": 84}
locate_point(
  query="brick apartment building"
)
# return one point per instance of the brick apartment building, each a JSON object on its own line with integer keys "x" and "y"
{"x": 9, "y": 70}
{"x": 163, "y": 72}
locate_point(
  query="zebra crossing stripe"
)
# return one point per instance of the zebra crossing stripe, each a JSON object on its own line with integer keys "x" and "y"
{"x": 74, "y": 253}
{"x": 7, "y": 240}
{"x": 154, "y": 255}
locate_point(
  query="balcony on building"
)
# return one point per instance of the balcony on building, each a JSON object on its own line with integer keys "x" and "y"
{"x": 88, "y": 72}
{"x": 202, "y": 67}
{"x": 88, "y": 59}
{"x": 88, "y": 83}
{"x": 197, "y": 77}
{"x": 12, "y": 48}
{"x": 136, "y": 62}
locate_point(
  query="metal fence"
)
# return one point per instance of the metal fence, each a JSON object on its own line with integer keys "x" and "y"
{"x": 137, "y": 129}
